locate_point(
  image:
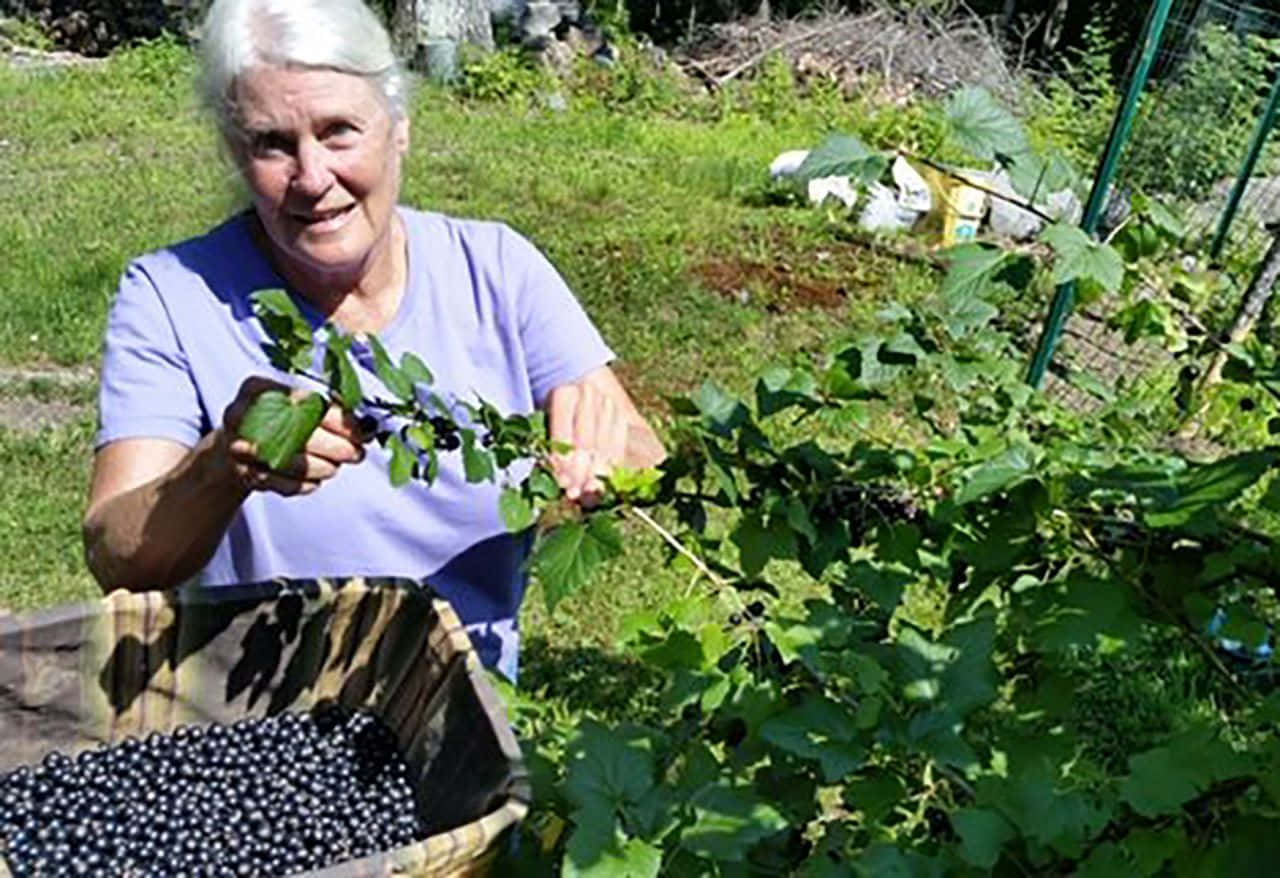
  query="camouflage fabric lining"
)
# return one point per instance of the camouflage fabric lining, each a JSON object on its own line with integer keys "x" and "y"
{"x": 81, "y": 675}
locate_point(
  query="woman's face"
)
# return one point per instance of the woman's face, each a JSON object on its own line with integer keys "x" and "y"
{"x": 321, "y": 156}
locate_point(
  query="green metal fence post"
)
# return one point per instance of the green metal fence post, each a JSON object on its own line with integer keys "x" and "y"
{"x": 1121, "y": 128}
{"x": 1265, "y": 124}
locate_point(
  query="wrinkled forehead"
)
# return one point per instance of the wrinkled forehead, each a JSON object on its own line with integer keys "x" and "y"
{"x": 290, "y": 97}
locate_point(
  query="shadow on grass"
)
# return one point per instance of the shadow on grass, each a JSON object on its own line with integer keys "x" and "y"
{"x": 611, "y": 686}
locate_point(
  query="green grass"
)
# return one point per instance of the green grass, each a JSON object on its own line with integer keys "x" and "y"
{"x": 638, "y": 210}
{"x": 44, "y": 477}
{"x": 102, "y": 164}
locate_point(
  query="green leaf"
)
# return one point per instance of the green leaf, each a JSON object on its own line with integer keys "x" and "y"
{"x": 422, "y": 435}
{"x": 1206, "y": 487}
{"x": 608, "y": 769}
{"x": 972, "y": 270}
{"x": 885, "y": 860}
{"x": 279, "y": 425}
{"x": 1076, "y": 613}
{"x": 1079, "y": 257}
{"x": 635, "y": 485}
{"x": 341, "y": 374}
{"x": 388, "y": 373}
{"x": 516, "y": 511}
{"x": 981, "y": 126}
{"x": 1168, "y": 223}
{"x": 291, "y": 347}
{"x": 780, "y": 388}
{"x": 1162, "y": 780}
{"x": 758, "y": 543}
{"x": 842, "y": 155}
{"x": 280, "y": 313}
{"x": 1158, "y": 784}
{"x": 875, "y": 794}
{"x": 728, "y": 823}
{"x": 964, "y": 317}
{"x": 565, "y": 559}
{"x": 998, "y": 474}
{"x": 477, "y": 462}
{"x": 596, "y": 851}
{"x": 412, "y": 367}
{"x": 609, "y": 772}
{"x": 402, "y": 461}
{"x": 983, "y": 833}
{"x": 1037, "y": 176}
{"x": 821, "y": 730}
{"x": 721, "y": 410}
{"x": 543, "y": 484}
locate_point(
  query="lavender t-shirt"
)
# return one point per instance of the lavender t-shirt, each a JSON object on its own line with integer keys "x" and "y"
{"x": 483, "y": 308}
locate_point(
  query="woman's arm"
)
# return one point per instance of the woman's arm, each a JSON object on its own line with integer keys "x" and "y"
{"x": 157, "y": 509}
{"x": 596, "y": 415}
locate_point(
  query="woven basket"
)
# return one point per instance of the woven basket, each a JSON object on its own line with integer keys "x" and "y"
{"x": 78, "y": 676}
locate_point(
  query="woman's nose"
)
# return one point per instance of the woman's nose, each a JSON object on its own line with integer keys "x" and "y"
{"x": 312, "y": 176}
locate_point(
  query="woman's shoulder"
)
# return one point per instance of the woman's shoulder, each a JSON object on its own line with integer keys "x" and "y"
{"x": 219, "y": 246}
{"x": 468, "y": 232}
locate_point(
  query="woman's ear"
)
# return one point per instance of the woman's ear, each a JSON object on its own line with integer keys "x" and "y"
{"x": 400, "y": 135}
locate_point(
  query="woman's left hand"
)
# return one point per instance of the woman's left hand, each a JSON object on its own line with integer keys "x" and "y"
{"x": 597, "y": 417}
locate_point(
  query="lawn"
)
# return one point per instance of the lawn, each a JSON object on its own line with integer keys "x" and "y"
{"x": 1032, "y": 628}
{"x": 660, "y": 222}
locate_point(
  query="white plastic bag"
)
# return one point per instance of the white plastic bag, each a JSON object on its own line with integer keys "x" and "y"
{"x": 913, "y": 189}
{"x": 786, "y": 164}
{"x": 840, "y": 188}
{"x": 882, "y": 212}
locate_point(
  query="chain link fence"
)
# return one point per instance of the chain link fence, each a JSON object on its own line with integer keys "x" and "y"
{"x": 1196, "y": 139}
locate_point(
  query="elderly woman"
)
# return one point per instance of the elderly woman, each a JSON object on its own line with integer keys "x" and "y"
{"x": 312, "y": 107}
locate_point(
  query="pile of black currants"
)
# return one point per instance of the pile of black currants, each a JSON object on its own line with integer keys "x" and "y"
{"x": 271, "y": 796}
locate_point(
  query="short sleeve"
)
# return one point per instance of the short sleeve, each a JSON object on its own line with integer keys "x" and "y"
{"x": 560, "y": 342}
{"x": 146, "y": 387}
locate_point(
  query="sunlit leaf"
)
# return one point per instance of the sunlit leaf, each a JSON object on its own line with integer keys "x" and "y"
{"x": 842, "y": 155}
{"x": 402, "y": 461}
{"x": 516, "y": 510}
{"x": 412, "y": 367}
{"x": 1079, "y": 257}
{"x": 477, "y": 462}
{"x": 972, "y": 270}
{"x": 389, "y": 373}
{"x": 279, "y": 425}
{"x": 728, "y": 822}
{"x": 1211, "y": 486}
{"x": 981, "y": 126}
{"x": 566, "y": 557}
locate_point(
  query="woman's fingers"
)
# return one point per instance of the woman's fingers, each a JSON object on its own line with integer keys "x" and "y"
{"x": 340, "y": 422}
{"x": 594, "y": 424}
{"x": 334, "y": 443}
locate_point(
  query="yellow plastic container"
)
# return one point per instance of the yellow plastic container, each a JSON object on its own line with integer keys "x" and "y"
{"x": 958, "y": 208}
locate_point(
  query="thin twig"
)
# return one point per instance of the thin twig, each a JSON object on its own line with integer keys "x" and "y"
{"x": 775, "y": 47}
{"x": 677, "y": 545}
{"x": 994, "y": 193}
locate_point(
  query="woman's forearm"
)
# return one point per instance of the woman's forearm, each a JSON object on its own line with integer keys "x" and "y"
{"x": 163, "y": 531}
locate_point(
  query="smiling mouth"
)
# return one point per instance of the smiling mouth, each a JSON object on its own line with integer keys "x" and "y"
{"x": 322, "y": 217}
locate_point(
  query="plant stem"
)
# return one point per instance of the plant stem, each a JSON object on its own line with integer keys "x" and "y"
{"x": 994, "y": 193}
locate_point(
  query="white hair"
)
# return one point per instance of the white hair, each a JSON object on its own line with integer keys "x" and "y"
{"x": 341, "y": 35}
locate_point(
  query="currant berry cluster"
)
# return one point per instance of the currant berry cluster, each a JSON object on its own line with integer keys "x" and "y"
{"x": 272, "y": 796}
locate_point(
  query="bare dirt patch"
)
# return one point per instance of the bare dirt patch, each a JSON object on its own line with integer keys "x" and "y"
{"x": 775, "y": 285}
{"x": 37, "y": 398}
{"x": 27, "y": 415}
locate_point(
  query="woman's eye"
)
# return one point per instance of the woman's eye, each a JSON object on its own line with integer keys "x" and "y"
{"x": 267, "y": 144}
{"x": 340, "y": 131}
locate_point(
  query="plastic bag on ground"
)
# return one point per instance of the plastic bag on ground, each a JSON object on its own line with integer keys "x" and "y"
{"x": 839, "y": 188}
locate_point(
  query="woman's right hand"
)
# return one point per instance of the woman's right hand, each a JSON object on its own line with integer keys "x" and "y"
{"x": 335, "y": 442}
